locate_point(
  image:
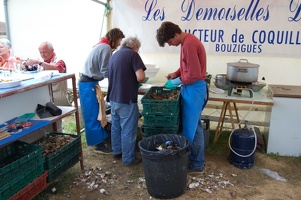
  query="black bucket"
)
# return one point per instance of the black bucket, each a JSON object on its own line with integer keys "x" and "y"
{"x": 243, "y": 145}
{"x": 166, "y": 170}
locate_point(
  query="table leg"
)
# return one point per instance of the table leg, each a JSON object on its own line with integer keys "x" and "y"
{"x": 224, "y": 115}
{"x": 220, "y": 122}
{"x": 231, "y": 116}
{"x": 75, "y": 99}
{"x": 237, "y": 117}
{"x": 226, "y": 105}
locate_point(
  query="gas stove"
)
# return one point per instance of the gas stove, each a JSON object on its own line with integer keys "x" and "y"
{"x": 239, "y": 86}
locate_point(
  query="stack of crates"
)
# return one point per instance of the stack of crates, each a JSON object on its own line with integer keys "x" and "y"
{"x": 20, "y": 164}
{"x": 32, "y": 189}
{"x": 62, "y": 159}
{"x": 161, "y": 116}
{"x": 55, "y": 164}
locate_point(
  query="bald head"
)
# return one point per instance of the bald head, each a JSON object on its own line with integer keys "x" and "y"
{"x": 46, "y": 50}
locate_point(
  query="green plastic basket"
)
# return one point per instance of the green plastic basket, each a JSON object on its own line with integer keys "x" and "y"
{"x": 63, "y": 158}
{"x": 32, "y": 189}
{"x": 161, "y": 119}
{"x": 147, "y": 130}
{"x": 18, "y": 158}
{"x": 12, "y": 187}
{"x": 166, "y": 107}
{"x": 62, "y": 167}
{"x": 65, "y": 153}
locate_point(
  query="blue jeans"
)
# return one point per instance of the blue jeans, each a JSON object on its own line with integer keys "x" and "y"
{"x": 124, "y": 130}
{"x": 197, "y": 148}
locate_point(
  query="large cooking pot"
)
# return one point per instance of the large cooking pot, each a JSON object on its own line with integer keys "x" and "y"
{"x": 242, "y": 71}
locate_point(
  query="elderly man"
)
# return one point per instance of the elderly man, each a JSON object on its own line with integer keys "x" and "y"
{"x": 52, "y": 62}
{"x": 125, "y": 72}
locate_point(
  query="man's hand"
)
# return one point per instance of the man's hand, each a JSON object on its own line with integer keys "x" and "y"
{"x": 173, "y": 84}
{"x": 30, "y": 62}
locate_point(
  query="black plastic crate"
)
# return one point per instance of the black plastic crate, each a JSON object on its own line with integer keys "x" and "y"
{"x": 167, "y": 107}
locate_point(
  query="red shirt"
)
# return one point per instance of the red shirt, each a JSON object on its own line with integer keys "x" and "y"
{"x": 60, "y": 64}
{"x": 192, "y": 60}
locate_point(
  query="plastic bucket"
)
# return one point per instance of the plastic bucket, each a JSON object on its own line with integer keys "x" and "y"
{"x": 166, "y": 170}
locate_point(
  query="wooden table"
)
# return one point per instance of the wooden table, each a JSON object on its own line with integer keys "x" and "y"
{"x": 260, "y": 98}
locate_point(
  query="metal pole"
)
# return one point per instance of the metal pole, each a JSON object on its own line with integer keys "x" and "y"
{"x": 6, "y": 19}
{"x": 102, "y": 3}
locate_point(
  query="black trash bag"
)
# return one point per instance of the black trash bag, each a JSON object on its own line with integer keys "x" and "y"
{"x": 149, "y": 146}
{"x": 49, "y": 110}
{"x": 165, "y": 170}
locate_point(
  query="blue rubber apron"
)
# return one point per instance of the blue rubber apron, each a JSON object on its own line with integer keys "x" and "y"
{"x": 194, "y": 98}
{"x": 95, "y": 134}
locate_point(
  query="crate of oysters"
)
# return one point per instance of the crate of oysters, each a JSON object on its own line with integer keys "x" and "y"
{"x": 160, "y": 100}
{"x": 61, "y": 151}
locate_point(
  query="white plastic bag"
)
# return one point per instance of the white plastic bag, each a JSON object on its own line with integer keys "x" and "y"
{"x": 273, "y": 174}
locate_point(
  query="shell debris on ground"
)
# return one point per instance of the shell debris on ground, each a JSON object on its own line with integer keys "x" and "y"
{"x": 208, "y": 181}
{"x": 96, "y": 178}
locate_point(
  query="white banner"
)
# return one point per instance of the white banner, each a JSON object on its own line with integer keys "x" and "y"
{"x": 229, "y": 27}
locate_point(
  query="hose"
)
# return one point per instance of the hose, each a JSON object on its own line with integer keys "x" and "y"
{"x": 255, "y": 142}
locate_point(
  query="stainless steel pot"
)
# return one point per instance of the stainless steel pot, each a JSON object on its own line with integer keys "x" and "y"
{"x": 221, "y": 79}
{"x": 242, "y": 71}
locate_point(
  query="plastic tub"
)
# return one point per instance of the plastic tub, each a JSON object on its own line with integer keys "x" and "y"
{"x": 165, "y": 170}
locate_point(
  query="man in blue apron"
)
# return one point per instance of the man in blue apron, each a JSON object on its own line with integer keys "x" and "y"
{"x": 191, "y": 75}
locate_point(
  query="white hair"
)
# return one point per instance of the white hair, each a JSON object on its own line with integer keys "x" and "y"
{"x": 131, "y": 42}
{"x": 7, "y": 44}
{"x": 49, "y": 44}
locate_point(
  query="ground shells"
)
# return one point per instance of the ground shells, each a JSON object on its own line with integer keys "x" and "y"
{"x": 208, "y": 182}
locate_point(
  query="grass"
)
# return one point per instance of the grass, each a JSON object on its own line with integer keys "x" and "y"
{"x": 69, "y": 126}
{"x": 221, "y": 146}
